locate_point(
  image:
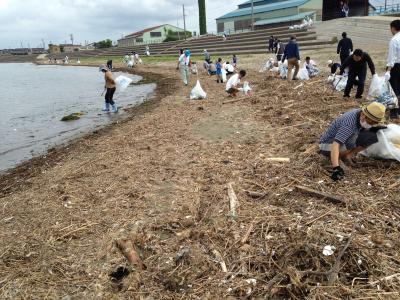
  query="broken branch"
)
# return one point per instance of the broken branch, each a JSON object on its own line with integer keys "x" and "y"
{"x": 330, "y": 197}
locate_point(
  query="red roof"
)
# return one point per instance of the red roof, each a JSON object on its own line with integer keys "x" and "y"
{"x": 140, "y": 33}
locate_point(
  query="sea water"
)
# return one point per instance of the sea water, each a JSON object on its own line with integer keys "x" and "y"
{"x": 34, "y": 98}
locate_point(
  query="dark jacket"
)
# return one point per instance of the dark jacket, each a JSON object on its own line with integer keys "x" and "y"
{"x": 334, "y": 68}
{"x": 291, "y": 51}
{"x": 358, "y": 66}
{"x": 345, "y": 46}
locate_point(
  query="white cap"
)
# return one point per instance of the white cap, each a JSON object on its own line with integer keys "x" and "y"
{"x": 330, "y": 62}
{"x": 205, "y": 50}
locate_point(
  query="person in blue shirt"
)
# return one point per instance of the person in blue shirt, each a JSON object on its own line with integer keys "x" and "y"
{"x": 218, "y": 65}
{"x": 292, "y": 54}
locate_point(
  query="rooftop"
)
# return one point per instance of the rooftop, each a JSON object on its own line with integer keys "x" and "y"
{"x": 140, "y": 33}
{"x": 263, "y": 8}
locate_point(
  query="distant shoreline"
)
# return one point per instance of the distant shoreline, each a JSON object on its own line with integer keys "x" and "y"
{"x": 18, "y": 58}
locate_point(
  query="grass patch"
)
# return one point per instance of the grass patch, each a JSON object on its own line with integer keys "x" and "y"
{"x": 72, "y": 117}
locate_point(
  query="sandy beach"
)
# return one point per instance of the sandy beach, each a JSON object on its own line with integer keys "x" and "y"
{"x": 158, "y": 182}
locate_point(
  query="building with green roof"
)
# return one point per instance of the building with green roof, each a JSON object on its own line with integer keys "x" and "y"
{"x": 275, "y": 13}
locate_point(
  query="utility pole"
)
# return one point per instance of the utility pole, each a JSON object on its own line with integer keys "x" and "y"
{"x": 177, "y": 25}
{"x": 184, "y": 19}
{"x": 72, "y": 38}
{"x": 44, "y": 45}
{"x": 252, "y": 15}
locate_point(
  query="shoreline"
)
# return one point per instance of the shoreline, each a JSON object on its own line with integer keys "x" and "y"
{"x": 12, "y": 179}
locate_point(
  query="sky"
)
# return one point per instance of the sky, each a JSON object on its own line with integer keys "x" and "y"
{"x": 30, "y": 21}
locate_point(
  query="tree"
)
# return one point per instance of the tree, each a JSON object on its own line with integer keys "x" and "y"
{"x": 202, "y": 17}
{"x": 104, "y": 44}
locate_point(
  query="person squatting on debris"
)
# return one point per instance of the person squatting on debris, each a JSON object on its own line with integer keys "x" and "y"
{"x": 393, "y": 64}
{"x": 344, "y": 48}
{"x": 357, "y": 64}
{"x": 333, "y": 66}
{"x": 233, "y": 84}
{"x": 218, "y": 65}
{"x": 351, "y": 133}
{"x": 110, "y": 90}
{"x": 207, "y": 56}
{"x": 212, "y": 69}
{"x": 292, "y": 55}
{"x": 184, "y": 66}
{"x": 311, "y": 67}
{"x": 229, "y": 68}
{"x": 234, "y": 60}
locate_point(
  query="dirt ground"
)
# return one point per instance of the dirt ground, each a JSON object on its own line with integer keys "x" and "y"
{"x": 157, "y": 185}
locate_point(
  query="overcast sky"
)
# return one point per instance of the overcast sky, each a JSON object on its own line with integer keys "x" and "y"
{"x": 30, "y": 21}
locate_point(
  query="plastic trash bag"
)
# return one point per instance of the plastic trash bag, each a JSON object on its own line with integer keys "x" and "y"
{"x": 246, "y": 89}
{"x": 381, "y": 91}
{"x": 223, "y": 75}
{"x": 122, "y": 82}
{"x": 283, "y": 70}
{"x": 268, "y": 65}
{"x": 303, "y": 74}
{"x": 130, "y": 64}
{"x": 197, "y": 92}
{"x": 388, "y": 145}
{"x": 339, "y": 82}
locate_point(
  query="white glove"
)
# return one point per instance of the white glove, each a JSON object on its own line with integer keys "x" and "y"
{"x": 387, "y": 76}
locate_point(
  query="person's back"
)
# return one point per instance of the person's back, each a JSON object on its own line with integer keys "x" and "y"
{"x": 108, "y": 77}
{"x": 212, "y": 67}
{"x": 292, "y": 50}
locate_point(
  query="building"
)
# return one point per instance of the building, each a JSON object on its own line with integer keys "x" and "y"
{"x": 274, "y": 13}
{"x": 54, "y": 49}
{"x": 152, "y": 35}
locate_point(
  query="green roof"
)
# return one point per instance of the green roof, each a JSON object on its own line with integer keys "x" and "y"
{"x": 284, "y": 19}
{"x": 263, "y": 8}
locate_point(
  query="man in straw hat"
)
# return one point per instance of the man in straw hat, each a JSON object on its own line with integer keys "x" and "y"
{"x": 350, "y": 134}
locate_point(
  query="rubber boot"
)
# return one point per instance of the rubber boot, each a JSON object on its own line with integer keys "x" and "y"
{"x": 106, "y": 107}
{"x": 114, "y": 108}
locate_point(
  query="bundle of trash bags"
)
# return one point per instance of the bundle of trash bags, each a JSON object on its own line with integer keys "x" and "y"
{"x": 246, "y": 89}
{"x": 388, "y": 146}
{"x": 306, "y": 23}
{"x": 339, "y": 82}
{"x": 381, "y": 91}
{"x": 268, "y": 65}
{"x": 197, "y": 92}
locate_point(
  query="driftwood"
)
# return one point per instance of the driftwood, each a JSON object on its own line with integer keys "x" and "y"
{"x": 248, "y": 232}
{"x": 387, "y": 278}
{"x": 298, "y": 86}
{"x": 278, "y": 159}
{"x": 128, "y": 250}
{"x": 244, "y": 98}
{"x": 256, "y": 195}
{"x": 221, "y": 261}
{"x": 233, "y": 202}
{"x": 331, "y": 198}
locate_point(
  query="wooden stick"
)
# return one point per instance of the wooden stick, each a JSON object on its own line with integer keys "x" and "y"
{"x": 221, "y": 261}
{"x": 299, "y": 86}
{"x": 278, "y": 159}
{"x": 246, "y": 97}
{"x": 128, "y": 250}
{"x": 331, "y": 198}
{"x": 233, "y": 201}
{"x": 320, "y": 217}
{"x": 75, "y": 230}
{"x": 277, "y": 278}
{"x": 392, "y": 186}
{"x": 390, "y": 277}
{"x": 246, "y": 236}
{"x": 256, "y": 194}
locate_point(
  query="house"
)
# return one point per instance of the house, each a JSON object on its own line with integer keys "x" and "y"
{"x": 150, "y": 35}
{"x": 275, "y": 13}
{"x": 69, "y": 47}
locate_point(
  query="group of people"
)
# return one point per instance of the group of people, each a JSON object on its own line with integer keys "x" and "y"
{"x": 356, "y": 130}
{"x": 132, "y": 59}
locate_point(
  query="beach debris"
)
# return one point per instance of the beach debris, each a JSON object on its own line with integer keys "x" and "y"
{"x": 331, "y": 198}
{"x": 278, "y": 159}
{"x": 220, "y": 260}
{"x": 233, "y": 201}
{"x": 197, "y": 92}
{"x": 72, "y": 117}
{"x": 128, "y": 250}
{"x": 328, "y": 250}
{"x": 181, "y": 255}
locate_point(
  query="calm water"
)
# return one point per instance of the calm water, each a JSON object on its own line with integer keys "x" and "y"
{"x": 34, "y": 98}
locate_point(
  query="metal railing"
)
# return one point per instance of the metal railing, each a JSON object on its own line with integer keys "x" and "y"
{"x": 385, "y": 10}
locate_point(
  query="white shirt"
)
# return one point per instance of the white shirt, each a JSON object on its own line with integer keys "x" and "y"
{"x": 229, "y": 68}
{"x": 233, "y": 82}
{"x": 309, "y": 65}
{"x": 394, "y": 50}
{"x": 184, "y": 60}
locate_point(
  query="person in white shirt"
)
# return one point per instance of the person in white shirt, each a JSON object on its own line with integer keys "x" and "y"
{"x": 232, "y": 86}
{"x": 393, "y": 64}
{"x": 184, "y": 66}
{"x": 311, "y": 67}
{"x": 229, "y": 68}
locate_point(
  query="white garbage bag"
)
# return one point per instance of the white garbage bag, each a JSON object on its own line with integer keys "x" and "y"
{"x": 283, "y": 70}
{"x": 223, "y": 75}
{"x": 122, "y": 82}
{"x": 246, "y": 89}
{"x": 197, "y": 92}
{"x": 303, "y": 74}
{"x": 339, "y": 82}
{"x": 381, "y": 91}
{"x": 388, "y": 146}
{"x": 130, "y": 64}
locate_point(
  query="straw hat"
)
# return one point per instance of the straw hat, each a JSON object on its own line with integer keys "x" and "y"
{"x": 375, "y": 111}
{"x": 330, "y": 62}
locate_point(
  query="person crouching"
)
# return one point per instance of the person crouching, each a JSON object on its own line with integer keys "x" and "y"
{"x": 233, "y": 84}
{"x": 351, "y": 133}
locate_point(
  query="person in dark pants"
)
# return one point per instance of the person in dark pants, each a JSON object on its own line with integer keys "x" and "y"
{"x": 344, "y": 48}
{"x": 357, "y": 64}
{"x": 109, "y": 64}
{"x": 271, "y": 43}
{"x": 393, "y": 64}
{"x": 280, "y": 49}
{"x": 110, "y": 86}
{"x": 334, "y": 66}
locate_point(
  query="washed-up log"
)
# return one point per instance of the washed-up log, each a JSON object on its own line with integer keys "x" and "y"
{"x": 233, "y": 202}
{"x": 278, "y": 159}
{"x": 248, "y": 232}
{"x": 331, "y": 198}
{"x": 128, "y": 250}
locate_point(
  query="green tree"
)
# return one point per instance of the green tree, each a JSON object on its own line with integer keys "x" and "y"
{"x": 202, "y": 17}
{"x": 104, "y": 44}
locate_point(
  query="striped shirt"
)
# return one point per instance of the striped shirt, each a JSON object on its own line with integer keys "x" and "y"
{"x": 344, "y": 130}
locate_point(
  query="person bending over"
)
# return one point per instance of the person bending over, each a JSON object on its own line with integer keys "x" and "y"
{"x": 233, "y": 84}
{"x": 110, "y": 87}
{"x": 351, "y": 133}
